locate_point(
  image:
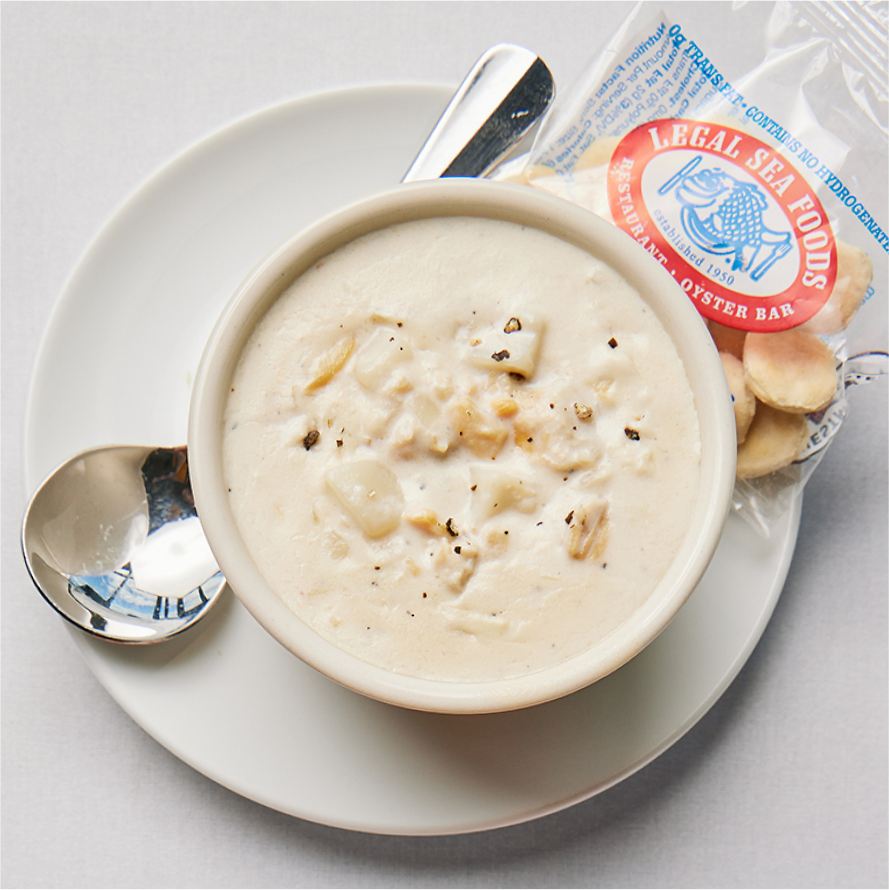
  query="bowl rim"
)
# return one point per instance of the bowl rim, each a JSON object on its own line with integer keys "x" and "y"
{"x": 495, "y": 200}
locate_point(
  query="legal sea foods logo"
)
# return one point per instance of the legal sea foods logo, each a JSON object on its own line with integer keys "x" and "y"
{"x": 735, "y": 223}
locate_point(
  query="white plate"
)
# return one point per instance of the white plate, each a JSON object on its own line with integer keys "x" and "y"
{"x": 116, "y": 365}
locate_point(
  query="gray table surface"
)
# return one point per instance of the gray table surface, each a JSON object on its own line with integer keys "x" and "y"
{"x": 782, "y": 783}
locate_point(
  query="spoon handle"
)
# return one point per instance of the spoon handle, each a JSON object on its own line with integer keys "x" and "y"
{"x": 505, "y": 93}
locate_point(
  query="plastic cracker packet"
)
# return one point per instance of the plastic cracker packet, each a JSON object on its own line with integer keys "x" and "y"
{"x": 764, "y": 195}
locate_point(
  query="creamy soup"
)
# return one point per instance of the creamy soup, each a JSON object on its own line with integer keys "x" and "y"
{"x": 461, "y": 449}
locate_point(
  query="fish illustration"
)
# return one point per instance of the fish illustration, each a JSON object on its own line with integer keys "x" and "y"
{"x": 724, "y": 216}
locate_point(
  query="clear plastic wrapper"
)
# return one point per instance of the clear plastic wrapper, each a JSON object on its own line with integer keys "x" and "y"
{"x": 764, "y": 194}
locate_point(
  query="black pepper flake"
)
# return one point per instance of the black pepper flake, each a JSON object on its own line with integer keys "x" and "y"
{"x": 339, "y": 443}
{"x": 505, "y": 531}
{"x": 400, "y": 324}
{"x": 425, "y": 594}
{"x": 512, "y": 325}
{"x": 539, "y": 523}
{"x": 473, "y": 487}
{"x": 376, "y": 568}
{"x": 612, "y": 343}
{"x": 312, "y": 436}
{"x": 500, "y": 356}
{"x": 569, "y": 517}
{"x": 451, "y": 528}
{"x": 458, "y": 549}
{"x": 530, "y": 439}
{"x": 632, "y": 434}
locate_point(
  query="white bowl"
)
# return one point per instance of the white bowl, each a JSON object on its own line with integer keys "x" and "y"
{"x": 513, "y": 203}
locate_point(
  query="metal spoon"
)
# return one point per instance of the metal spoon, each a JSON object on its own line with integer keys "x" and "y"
{"x": 504, "y": 95}
{"x": 111, "y": 538}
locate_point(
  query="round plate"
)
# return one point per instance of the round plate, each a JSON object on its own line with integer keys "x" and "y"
{"x": 225, "y": 697}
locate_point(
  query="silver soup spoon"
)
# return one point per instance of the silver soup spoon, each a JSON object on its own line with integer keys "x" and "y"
{"x": 111, "y": 537}
{"x": 112, "y": 540}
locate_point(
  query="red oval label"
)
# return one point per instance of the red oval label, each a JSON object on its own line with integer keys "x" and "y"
{"x": 735, "y": 223}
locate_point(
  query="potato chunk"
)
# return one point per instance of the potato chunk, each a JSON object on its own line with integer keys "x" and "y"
{"x": 378, "y": 358}
{"x": 369, "y": 493}
{"x": 512, "y": 349}
{"x": 429, "y": 414}
{"x": 494, "y": 492}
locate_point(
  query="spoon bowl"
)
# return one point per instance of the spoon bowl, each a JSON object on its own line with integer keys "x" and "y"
{"x": 112, "y": 541}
